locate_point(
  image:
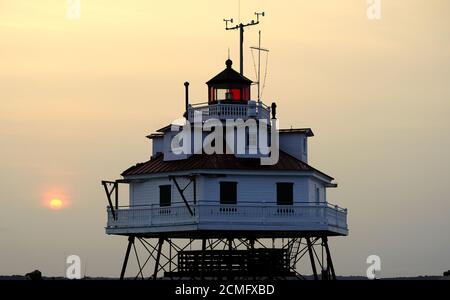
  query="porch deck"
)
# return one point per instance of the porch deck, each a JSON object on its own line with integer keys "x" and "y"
{"x": 242, "y": 217}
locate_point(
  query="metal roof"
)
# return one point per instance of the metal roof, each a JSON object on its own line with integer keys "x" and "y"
{"x": 157, "y": 164}
{"x": 306, "y": 131}
{"x": 229, "y": 76}
{"x": 155, "y": 136}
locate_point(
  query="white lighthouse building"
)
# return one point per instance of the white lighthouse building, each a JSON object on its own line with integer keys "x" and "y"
{"x": 242, "y": 217}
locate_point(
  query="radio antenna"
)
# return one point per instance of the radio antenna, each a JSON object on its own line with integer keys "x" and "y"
{"x": 241, "y": 26}
{"x": 259, "y": 49}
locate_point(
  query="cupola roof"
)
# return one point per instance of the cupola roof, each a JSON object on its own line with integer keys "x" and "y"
{"x": 229, "y": 75}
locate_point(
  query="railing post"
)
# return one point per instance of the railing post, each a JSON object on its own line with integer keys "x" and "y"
{"x": 324, "y": 214}
{"x": 337, "y": 215}
{"x": 151, "y": 214}
{"x": 197, "y": 212}
{"x": 263, "y": 213}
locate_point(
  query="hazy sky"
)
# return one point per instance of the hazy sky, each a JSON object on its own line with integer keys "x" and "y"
{"x": 78, "y": 97}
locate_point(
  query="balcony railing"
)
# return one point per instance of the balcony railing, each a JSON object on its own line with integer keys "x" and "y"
{"x": 229, "y": 111}
{"x": 301, "y": 215}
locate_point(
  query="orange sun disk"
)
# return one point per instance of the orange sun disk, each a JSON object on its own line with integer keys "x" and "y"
{"x": 55, "y": 203}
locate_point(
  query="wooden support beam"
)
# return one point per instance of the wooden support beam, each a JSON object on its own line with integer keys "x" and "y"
{"x": 108, "y": 195}
{"x": 182, "y": 195}
{"x": 116, "y": 189}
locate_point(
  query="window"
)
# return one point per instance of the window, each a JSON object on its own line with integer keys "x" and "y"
{"x": 227, "y": 94}
{"x": 285, "y": 193}
{"x": 228, "y": 192}
{"x": 165, "y": 195}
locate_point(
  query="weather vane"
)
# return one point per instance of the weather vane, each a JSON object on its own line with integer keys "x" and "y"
{"x": 241, "y": 35}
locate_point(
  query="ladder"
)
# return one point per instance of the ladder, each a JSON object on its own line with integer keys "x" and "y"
{"x": 293, "y": 251}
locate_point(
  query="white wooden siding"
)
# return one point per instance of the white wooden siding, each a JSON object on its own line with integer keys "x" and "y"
{"x": 250, "y": 188}
{"x": 147, "y": 193}
{"x": 313, "y": 184}
{"x": 157, "y": 145}
{"x": 256, "y": 189}
{"x": 294, "y": 144}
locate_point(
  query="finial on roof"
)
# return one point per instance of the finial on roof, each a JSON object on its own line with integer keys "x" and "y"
{"x": 229, "y": 63}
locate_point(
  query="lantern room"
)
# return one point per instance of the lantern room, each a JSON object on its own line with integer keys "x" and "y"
{"x": 229, "y": 86}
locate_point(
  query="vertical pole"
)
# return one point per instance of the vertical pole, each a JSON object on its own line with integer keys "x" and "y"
{"x": 186, "y": 88}
{"x": 195, "y": 189}
{"x": 329, "y": 260}
{"x": 241, "y": 29}
{"x": 325, "y": 268}
{"x": 252, "y": 255}
{"x": 158, "y": 255}
{"x": 127, "y": 254}
{"x": 311, "y": 258}
{"x": 116, "y": 187}
{"x": 230, "y": 248}
{"x": 202, "y": 272}
{"x": 169, "y": 241}
{"x": 259, "y": 66}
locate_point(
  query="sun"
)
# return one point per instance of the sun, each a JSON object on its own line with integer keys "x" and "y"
{"x": 55, "y": 203}
{"x": 55, "y": 199}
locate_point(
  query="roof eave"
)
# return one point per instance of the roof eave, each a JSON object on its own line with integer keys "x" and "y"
{"x": 155, "y": 136}
{"x": 307, "y": 131}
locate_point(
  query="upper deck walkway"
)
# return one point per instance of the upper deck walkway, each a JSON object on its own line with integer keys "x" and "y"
{"x": 245, "y": 217}
{"x": 223, "y": 111}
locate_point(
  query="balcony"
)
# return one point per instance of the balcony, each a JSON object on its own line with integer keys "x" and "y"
{"x": 241, "y": 217}
{"x": 223, "y": 111}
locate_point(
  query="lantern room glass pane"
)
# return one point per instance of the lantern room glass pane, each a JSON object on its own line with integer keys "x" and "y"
{"x": 235, "y": 94}
{"x": 246, "y": 94}
{"x": 227, "y": 94}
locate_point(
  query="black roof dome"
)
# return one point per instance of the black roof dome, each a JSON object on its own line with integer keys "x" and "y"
{"x": 229, "y": 75}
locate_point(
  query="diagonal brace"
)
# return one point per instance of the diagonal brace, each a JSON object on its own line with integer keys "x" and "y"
{"x": 109, "y": 193}
{"x": 181, "y": 191}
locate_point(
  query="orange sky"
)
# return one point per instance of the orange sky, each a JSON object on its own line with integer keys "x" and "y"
{"x": 78, "y": 97}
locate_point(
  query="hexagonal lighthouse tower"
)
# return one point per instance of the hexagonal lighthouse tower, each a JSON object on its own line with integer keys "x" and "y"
{"x": 227, "y": 194}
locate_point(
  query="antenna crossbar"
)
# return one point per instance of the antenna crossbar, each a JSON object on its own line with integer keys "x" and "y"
{"x": 257, "y": 48}
{"x": 241, "y": 27}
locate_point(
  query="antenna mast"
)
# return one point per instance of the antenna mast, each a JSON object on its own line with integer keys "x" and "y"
{"x": 259, "y": 63}
{"x": 241, "y": 26}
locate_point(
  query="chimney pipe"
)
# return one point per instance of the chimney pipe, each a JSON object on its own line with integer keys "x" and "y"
{"x": 274, "y": 110}
{"x": 186, "y": 86}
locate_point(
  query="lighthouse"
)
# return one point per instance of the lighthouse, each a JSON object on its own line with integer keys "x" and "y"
{"x": 226, "y": 194}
